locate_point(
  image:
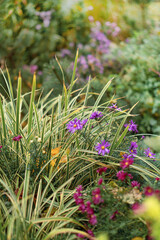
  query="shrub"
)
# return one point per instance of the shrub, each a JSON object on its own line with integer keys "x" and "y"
{"x": 139, "y": 79}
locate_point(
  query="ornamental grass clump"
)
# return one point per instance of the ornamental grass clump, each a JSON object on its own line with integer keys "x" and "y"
{"x": 49, "y": 147}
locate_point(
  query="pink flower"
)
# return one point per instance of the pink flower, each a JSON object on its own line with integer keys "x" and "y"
{"x": 79, "y": 235}
{"x": 121, "y": 175}
{"x": 33, "y": 68}
{"x": 101, "y": 170}
{"x": 126, "y": 162}
{"x": 96, "y": 196}
{"x": 0, "y": 147}
{"x": 135, "y": 184}
{"x": 89, "y": 210}
{"x": 93, "y": 219}
{"x": 82, "y": 207}
{"x": 130, "y": 176}
{"x": 90, "y": 232}
{"x": 17, "y": 138}
{"x": 79, "y": 189}
{"x": 136, "y": 207}
{"x": 100, "y": 181}
{"x": 148, "y": 191}
{"x": 157, "y": 179}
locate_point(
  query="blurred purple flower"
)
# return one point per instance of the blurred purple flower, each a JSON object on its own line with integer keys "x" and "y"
{"x": 33, "y": 68}
{"x": 38, "y": 26}
{"x": 148, "y": 153}
{"x": 96, "y": 115}
{"x": 133, "y": 148}
{"x": 91, "y": 18}
{"x": 132, "y": 126}
{"x": 114, "y": 106}
{"x": 65, "y": 52}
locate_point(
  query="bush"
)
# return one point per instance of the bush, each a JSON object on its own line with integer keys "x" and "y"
{"x": 139, "y": 79}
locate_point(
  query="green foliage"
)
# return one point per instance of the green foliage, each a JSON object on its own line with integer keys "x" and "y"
{"x": 32, "y": 32}
{"x": 139, "y": 79}
{"x": 40, "y": 170}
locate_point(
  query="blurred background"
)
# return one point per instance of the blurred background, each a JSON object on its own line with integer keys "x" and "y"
{"x": 115, "y": 38}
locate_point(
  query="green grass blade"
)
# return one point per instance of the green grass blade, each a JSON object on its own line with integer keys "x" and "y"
{"x": 3, "y": 119}
{"x": 31, "y": 105}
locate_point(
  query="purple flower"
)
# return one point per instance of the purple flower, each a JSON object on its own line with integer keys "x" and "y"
{"x": 38, "y": 26}
{"x": 132, "y": 126}
{"x": 148, "y": 153}
{"x": 126, "y": 162}
{"x": 135, "y": 184}
{"x": 65, "y": 52}
{"x": 121, "y": 175}
{"x": 96, "y": 196}
{"x": 114, "y": 106}
{"x": 101, "y": 148}
{"x": 40, "y": 73}
{"x": 91, "y": 18}
{"x": 33, "y": 68}
{"x": 133, "y": 147}
{"x": 143, "y": 137}
{"x": 96, "y": 115}
{"x": 101, "y": 170}
{"x": 17, "y": 138}
{"x": 76, "y": 124}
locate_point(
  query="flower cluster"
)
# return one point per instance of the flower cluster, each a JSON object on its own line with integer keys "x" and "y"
{"x": 46, "y": 17}
{"x": 86, "y": 207}
{"x": 121, "y": 175}
{"x": 76, "y": 124}
{"x": 133, "y": 148}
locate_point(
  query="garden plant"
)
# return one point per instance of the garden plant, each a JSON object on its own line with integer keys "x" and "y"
{"x": 70, "y": 170}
